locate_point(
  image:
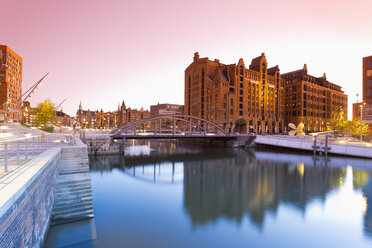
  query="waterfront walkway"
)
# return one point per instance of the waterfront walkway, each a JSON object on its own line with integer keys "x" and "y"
{"x": 306, "y": 143}
{"x": 19, "y": 144}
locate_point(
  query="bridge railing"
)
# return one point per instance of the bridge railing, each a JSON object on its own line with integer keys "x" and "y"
{"x": 190, "y": 121}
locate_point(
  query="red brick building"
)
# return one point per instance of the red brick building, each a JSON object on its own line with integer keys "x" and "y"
{"x": 311, "y": 100}
{"x": 238, "y": 97}
{"x": 10, "y": 85}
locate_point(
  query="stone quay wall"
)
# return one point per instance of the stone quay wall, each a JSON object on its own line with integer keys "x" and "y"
{"x": 99, "y": 142}
{"x": 25, "y": 209}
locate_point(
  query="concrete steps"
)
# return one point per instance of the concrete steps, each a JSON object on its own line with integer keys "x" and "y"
{"x": 73, "y": 199}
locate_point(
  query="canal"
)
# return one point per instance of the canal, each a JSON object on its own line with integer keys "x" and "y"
{"x": 164, "y": 195}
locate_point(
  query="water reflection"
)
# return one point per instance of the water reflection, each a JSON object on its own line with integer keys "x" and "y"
{"x": 235, "y": 184}
{"x": 234, "y": 187}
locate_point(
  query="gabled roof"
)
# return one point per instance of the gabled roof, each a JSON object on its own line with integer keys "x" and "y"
{"x": 271, "y": 71}
{"x": 223, "y": 75}
{"x": 256, "y": 62}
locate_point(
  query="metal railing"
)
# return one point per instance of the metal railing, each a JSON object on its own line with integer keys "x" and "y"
{"x": 17, "y": 151}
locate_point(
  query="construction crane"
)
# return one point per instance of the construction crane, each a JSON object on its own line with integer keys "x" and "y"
{"x": 59, "y": 105}
{"x": 32, "y": 88}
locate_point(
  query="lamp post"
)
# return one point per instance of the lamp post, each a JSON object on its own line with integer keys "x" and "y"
{"x": 361, "y": 121}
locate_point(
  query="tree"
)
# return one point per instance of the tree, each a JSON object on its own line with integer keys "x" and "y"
{"x": 339, "y": 123}
{"x": 45, "y": 113}
{"x": 355, "y": 127}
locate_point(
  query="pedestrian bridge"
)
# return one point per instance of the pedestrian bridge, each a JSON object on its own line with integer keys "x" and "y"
{"x": 176, "y": 126}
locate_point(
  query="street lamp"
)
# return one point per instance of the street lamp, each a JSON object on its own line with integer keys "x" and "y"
{"x": 361, "y": 121}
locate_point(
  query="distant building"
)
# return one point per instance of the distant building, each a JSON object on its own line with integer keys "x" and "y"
{"x": 110, "y": 120}
{"x": 10, "y": 85}
{"x": 165, "y": 109}
{"x": 62, "y": 119}
{"x": 367, "y": 80}
{"x": 86, "y": 118}
{"x": 311, "y": 100}
{"x": 367, "y": 94}
{"x": 28, "y": 114}
{"x": 237, "y": 97}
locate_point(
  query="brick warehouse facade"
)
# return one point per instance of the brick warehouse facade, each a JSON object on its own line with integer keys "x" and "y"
{"x": 311, "y": 100}
{"x": 237, "y": 98}
{"x": 259, "y": 99}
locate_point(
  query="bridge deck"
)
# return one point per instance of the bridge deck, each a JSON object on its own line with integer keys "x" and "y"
{"x": 177, "y": 136}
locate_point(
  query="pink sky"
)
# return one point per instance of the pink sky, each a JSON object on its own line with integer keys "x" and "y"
{"x": 101, "y": 52}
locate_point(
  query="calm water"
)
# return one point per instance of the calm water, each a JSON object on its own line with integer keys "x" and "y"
{"x": 161, "y": 195}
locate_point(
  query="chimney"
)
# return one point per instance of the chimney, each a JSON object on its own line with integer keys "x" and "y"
{"x": 196, "y": 56}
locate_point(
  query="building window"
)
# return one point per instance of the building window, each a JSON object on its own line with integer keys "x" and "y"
{"x": 369, "y": 64}
{"x": 369, "y": 81}
{"x": 369, "y": 92}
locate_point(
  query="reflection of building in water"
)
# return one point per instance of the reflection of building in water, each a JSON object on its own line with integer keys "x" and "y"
{"x": 361, "y": 180}
{"x": 233, "y": 187}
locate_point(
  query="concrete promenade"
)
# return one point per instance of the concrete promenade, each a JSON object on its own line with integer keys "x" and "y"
{"x": 306, "y": 143}
{"x": 28, "y": 192}
{"x": 19, "y": 144}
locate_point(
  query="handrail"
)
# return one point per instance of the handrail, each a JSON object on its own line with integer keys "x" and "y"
{"x": 21, "y": 138}
{"x": 18, "y": 151}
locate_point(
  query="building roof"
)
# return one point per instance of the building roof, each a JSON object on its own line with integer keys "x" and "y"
{"x": 224, "y": 76}
{"x": 256, "y": 62}
{"x": 62, "y": 114}
{"x": 271, "y": 71}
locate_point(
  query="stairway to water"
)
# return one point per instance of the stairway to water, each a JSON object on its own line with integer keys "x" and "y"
{"x": 73, "y": 192}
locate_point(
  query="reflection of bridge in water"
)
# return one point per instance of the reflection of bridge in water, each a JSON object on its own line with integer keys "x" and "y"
{"x": 235, "y": 184}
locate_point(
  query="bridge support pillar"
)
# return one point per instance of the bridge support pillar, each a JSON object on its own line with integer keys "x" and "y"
{"x": 205, "y": 128}
{"x": 123, "y": 145}
{"x": 190, "y": 130}
{"x": 155, "y": 126}
{"x": 134, "y": 130}
{"x": 174, "y": 126}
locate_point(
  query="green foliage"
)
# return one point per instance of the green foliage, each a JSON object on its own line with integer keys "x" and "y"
{"x": 339, "y": 123}
{"x": 45, "y": 113}
{"x": 354, "y": 127}
{"x": 47, "y": 129}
